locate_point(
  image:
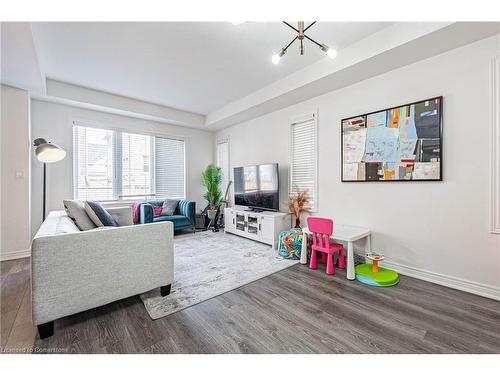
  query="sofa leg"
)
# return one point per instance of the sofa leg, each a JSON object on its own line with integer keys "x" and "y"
{"x": 45, "y": 330}
{"x": 165, "y": 290}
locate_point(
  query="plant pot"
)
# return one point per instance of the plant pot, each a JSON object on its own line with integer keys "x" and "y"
{"x": 297, "y": 223}
{"x": 211, "y": 214}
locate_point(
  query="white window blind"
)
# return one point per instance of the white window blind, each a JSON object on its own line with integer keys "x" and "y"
{"x": 223, "y": 162}
{"x": 304, "y": 158}
{"x": 169, "y": 168}
{"x": 94, "y": 163}
{"x": 115, "y": 165}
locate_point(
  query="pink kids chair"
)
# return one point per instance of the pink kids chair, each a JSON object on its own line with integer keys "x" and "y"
{"x": 321, "y": 229}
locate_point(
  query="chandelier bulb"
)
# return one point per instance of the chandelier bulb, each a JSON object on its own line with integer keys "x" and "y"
{"x": 277, "y": 57}
{"x": 330, "y": 52}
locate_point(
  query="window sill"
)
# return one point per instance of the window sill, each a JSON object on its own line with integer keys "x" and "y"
{"x": 130, "y": 202}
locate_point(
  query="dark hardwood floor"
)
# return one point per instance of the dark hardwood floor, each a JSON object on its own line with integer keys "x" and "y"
{"x": 297, "y": 310}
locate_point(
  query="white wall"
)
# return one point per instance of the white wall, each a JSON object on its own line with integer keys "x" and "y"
{"x": 55, "y": 123}
{"x": 15, "y": 173}
{"x": 434, "y": 230}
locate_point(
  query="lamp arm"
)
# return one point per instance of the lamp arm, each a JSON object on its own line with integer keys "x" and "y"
{"x": 286, "y": 23}
{"x": 289, "y": 44}
{"x": 44, "y": 199}
{"x": 297, "y": 30}
{"x": 309, "y": 26}
{"x": 312, "y": 40}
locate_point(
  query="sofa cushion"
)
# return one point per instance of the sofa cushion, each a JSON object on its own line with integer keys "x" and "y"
{"x": 65, "y": 225}
{"x": 178, "y": 220}
{"x": 76, "y": 211}
{"x": 57, "y": 222}
{"x": 169, "y": 207}
{"x": 99, "y": 215}
{"x": 122, "y": 215}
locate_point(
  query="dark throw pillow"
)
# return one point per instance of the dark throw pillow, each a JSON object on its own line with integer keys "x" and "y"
{"x": 99, "y": 215}
{"x": 169, "y": 207}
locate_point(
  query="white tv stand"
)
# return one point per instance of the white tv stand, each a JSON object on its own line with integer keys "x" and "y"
{"x": 262, "y": 226}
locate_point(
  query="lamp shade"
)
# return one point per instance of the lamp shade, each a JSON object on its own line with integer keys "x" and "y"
{"x": 48, "y": 152}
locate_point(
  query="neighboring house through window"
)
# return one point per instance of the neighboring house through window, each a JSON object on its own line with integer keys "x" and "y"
{"x": 115, "y": 165}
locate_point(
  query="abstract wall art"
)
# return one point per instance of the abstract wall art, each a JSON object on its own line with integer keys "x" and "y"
{"x": 397, "y": 144}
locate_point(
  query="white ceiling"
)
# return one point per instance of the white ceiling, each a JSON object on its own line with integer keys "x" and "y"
{"x": 194, "y": 66}
{"x": 18, "y": 59}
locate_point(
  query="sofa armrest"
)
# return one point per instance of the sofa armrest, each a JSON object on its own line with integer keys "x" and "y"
{"x": 145, "y": 213}
{"x": 122, "y": 215}
{"x": 75, "y": 272}
{"x": 188, "y": 209}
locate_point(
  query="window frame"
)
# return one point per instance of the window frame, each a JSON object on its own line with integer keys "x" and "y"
{"x": 114, "y": 128}
{"x": 297, "y": 120}
{"x": 217, "y": 143}
{"x": 495, "y": 147}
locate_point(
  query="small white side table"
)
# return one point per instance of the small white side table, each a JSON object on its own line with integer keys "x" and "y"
{"x": 347, "y": 233}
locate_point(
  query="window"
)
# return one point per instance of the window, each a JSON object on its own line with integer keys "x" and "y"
{"x": 95, "y": 163}
{"x": 223, "y": 162}
{"x": 136, "y": 157}
{"x": 304, "y": 158}
{"x": 115, "y": 165}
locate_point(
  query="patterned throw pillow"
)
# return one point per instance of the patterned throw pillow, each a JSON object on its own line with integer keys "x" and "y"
{"x": 76, "y": 211}
{"x": 99, "y": 215}
{"x": 157, "y": 210}
{"x": 169, "y": 207}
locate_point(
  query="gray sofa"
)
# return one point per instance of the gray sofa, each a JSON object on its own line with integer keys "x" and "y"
{"x": 73, "y": 271}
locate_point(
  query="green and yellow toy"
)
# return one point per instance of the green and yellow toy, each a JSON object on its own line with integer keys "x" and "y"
{"x": 372, "y": 274}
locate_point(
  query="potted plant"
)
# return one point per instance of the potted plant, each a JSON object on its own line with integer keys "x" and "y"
{"x": 212, "y": 177}
{"x": 297, "y": 203}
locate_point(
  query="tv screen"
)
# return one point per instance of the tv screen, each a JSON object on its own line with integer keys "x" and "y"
{"x": 257, "y": 186}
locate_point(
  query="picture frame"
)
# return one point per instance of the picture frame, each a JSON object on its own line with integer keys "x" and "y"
{"x": 401, "y": 143}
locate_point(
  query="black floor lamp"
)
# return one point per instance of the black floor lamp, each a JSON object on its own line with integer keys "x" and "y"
{"x": 47, "y": 152}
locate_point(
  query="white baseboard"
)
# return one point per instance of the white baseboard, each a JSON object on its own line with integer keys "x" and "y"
{"x": 473, "y": 287}
{"x": 9, "y": 255}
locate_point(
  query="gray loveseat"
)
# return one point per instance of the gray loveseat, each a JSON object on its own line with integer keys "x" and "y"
{"x": 74, "y": 271}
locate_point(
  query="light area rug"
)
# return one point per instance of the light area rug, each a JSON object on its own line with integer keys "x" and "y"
{"x": 208, "y": 264}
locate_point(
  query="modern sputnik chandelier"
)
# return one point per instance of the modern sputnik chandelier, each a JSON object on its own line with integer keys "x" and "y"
{"x": 300, "y": 30}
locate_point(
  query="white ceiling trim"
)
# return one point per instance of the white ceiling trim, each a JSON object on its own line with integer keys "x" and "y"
{"x": 84, "y": 97}
{"x": 193, "y": 66}
{"x": 390, "y": 48}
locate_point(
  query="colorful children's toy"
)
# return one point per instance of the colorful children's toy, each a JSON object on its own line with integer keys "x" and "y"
{"x": 372, "y": 274}
{"x": 375, "y": 258}
{"x": 290, "y": 243}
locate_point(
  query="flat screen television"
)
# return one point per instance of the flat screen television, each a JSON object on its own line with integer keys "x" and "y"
{"x": 257, "y": 186}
